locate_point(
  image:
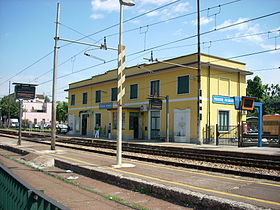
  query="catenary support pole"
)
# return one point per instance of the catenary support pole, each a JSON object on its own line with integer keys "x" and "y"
{"x": 199, "y": 91}
{"x": 259, "y": 107}
{"x": 20, "y": 121}
{"x": 55, "y": 60}
{"x": 167, "y": 118}
{"x": 9, "y": 105}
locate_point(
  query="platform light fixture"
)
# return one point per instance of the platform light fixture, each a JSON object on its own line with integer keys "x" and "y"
{"x": 121, "y": 80}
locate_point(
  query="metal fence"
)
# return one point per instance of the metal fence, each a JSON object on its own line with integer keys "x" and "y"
{"x": 241, "y": 136}
{"x": 270, "y": 137}
{"x": 221, "y": 135}
{"x": 16, "y": 194}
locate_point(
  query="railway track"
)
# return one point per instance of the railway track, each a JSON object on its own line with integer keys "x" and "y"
{"x": 192, "y": 158}
{"x": 266, "y": 162}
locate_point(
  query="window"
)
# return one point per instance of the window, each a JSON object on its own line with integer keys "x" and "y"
{"x": 114, "y": 94}
{"x": 223, "y": 120}
{"x": 98, "y": 96}
{"x": 73, "y": 100}
{"x": 132, "y": 117}
{"x": 134, "y": 91}
{"x": 155, "y": 87}
{"x": 85, "y": 98}
{"x": 115, "y": 120}
{"x": 183, "y": 84}
{"x": 98, "y": 119}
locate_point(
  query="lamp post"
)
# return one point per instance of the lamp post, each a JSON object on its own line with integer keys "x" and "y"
{"x": 121, "y": 80}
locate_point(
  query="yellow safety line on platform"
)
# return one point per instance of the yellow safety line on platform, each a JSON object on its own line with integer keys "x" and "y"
{"x": 184, "y": 171}
{"x": 172, "y": 182}
{"x": 191, "y": 172}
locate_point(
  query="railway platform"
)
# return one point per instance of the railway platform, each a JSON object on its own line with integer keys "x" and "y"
{"x": 188, "y": 187}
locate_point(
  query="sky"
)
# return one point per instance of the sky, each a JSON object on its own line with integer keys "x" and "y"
{"x": 165, "y": 27}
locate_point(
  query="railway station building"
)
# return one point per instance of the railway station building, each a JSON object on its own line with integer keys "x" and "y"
{"x": 150, "y": 89}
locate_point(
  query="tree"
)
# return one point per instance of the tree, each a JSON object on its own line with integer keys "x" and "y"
{"x": 269, "y": 95}
{"x": 47, "y": 99}
{"x": 271, "y": 99}
{"x": 8, "y": 105}
{"x": 255, "y": 88}
{"x": 62, "y": 111}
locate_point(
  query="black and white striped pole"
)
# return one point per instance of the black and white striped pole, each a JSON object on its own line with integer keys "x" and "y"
{"x": 199, "y": 94}
{"x": 121, "y": 80}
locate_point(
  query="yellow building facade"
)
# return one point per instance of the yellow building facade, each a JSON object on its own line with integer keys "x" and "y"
{"x": 93, "y": 101}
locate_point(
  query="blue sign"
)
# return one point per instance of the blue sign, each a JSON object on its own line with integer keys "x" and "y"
{"x": 223, "y": 100}
{"x": 106, "y": 106}
{"x": 237, "y": 103}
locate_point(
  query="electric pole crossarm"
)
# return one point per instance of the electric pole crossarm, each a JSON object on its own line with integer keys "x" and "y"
{"x": 84, "y": 43}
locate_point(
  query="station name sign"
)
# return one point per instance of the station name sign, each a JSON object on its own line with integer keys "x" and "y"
{"x": 106, "y": 106}
{"x": 223, "y": 100}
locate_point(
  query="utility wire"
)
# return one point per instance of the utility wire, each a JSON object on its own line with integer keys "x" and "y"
{"x": 213, "y": 30}
{"x": 135, "y": 17}
{"x": 254, "y": 53}
{"x": 72, "y": 29}
{"x": 45, "y": 73}
{"x": 172, "y": 42}
{"x": 219, "y": 40}
{"x": 239, "y": 56}
{"x": 87, "y": 36}
{"x": 174, "y": 18}
{"x": 268, "y": 69}
{"x": 37, "y": 61}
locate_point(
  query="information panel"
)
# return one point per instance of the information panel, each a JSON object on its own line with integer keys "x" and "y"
{"x": 248, "y": 103}
{"x": 25, "y": 91}
{"x": 155, "y": 104}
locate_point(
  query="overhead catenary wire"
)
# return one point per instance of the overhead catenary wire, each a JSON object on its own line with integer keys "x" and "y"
{"x": 219, "y": 40}
{"x": 24, "y": 69}
{"x": 158, "y": 46}
{"x": 155, "y": 47}
{"x": 125, "y": 21}
{"x": 86, "y": 36}
{"x": 173, "y": 18}
{"x": 211, "y": 31}
{"x": 84, "y": 69}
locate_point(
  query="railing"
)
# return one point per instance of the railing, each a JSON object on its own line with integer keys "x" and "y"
{"x": 16, "y": 194}
{"x": 209, "y": 134}
{"x": 221, "y": 135}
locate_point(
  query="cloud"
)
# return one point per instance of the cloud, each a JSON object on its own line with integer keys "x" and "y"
{"x": 97, "y": 16}
{"x": 203, "y": 21}
{"x": 248, "y": 28}
{"x": 240, "y": 27}
{"x": 105, "y": 5}
{"x": 170, "y": 11}
{"x": 109, "y": 6}
{"x": 156, "y": 2}
{"x": 154, "y": 13}
{"x": 179, "y": 32}
{"x": 182, "y": 7}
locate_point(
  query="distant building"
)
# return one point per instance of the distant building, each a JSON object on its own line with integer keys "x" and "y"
{"x": 37, "y": 111}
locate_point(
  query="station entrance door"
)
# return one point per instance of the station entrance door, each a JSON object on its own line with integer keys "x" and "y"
{"x": 155, "y": 124}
